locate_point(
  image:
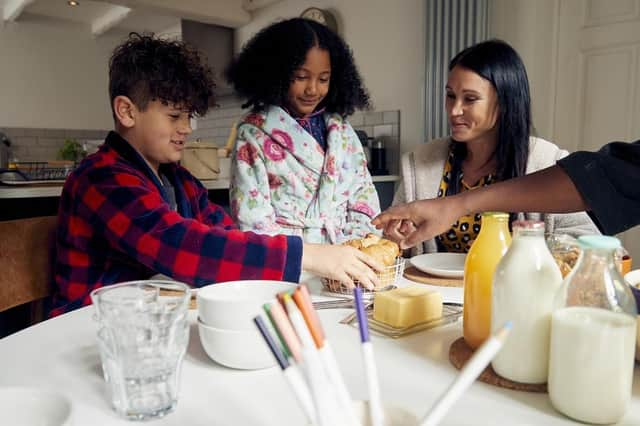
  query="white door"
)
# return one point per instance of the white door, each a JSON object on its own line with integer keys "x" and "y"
{"x": 598, "y": 80}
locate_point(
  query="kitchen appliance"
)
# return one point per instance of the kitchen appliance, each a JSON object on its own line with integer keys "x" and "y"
{"x": 378, "y": 163}
{"x": 5, "y": 152}
{"x": 364, "y": 140}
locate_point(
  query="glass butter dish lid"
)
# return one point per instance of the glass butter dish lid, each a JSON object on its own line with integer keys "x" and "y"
{"x": 451, "y": 312}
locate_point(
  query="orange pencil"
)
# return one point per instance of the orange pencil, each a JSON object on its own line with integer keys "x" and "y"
{"x": 310, "y": 317}
{"x": 303, "y": 301}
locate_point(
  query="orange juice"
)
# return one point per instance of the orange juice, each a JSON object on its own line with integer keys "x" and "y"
{"x": 483, "y": 257}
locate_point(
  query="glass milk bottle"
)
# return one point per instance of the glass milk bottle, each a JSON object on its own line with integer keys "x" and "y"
{"x": 524, "y": 286}
{"x": 485, "y": 253}
{"x": 593, "y": 333}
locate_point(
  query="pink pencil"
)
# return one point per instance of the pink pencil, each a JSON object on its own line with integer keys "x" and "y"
{"x": 286, "y": 330}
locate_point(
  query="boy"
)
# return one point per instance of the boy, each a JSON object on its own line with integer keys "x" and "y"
{"x": 130, "y": 211}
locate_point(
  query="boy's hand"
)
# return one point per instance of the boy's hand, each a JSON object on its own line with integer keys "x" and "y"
{"x": 341, "y": 263}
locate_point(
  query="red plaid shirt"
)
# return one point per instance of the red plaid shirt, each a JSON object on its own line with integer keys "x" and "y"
{"x": 115, "y": 224}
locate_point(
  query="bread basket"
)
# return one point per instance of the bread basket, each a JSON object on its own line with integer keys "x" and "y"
{"x": 387, "y": 280}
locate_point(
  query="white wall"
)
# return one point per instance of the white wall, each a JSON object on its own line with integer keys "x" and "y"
{"x": 387, "y": 39}
{"x": 54, "y": 75}
{"x": 531, "y": 27}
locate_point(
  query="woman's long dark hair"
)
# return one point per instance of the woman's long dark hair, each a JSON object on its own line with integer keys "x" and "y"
{"x": 264, "y": 69}
{"x": 500, "y": 64}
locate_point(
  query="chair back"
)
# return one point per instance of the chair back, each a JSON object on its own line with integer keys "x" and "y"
{"x": 27, "y": 248}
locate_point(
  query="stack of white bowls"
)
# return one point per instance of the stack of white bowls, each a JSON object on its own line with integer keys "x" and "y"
{"x": 225, "y": 321}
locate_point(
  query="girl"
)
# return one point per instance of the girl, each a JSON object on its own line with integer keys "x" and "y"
{"x": 489, "y": 113}
{"x": 298, "y": 167}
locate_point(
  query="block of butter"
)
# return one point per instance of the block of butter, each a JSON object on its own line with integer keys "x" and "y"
{"x": 406, "y": 306}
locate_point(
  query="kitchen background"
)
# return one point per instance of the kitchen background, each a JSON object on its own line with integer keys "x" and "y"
{"x": 30, "y": 144}
{"x": 581, "y": 57}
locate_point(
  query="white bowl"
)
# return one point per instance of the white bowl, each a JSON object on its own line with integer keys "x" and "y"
{"x": 242, "y": 349}
{"x": 31, "y": 406}
{"x": 233, "y": 305}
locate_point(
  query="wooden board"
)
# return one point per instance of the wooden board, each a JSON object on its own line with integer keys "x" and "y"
{"x": 414, "y": 274}
{"x": 459, "y": 354}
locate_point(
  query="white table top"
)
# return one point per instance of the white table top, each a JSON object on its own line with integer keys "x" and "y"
{"x": 61, "y": 354}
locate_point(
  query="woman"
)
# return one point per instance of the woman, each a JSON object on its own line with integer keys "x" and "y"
{"x": 488, "y": 107}
{"x": 298, "y": 167}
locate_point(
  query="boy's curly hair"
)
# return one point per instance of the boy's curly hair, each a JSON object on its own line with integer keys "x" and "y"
{"x": 264, "y": 69}
{"x": 145, "y": 68}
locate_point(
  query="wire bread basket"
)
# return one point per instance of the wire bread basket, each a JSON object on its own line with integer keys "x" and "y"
{"x": 387, "y": 280}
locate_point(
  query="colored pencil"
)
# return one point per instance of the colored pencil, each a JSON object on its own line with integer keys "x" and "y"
{"x": 369, "y": 363}
{"x": 468, "y": 374}
{"x": 291, "y": 372}
{"x": 302, "y": 298}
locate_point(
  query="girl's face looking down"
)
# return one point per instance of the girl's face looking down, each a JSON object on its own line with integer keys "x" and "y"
{"x": 472, "y": 106}
{"x": 310, "y": 83}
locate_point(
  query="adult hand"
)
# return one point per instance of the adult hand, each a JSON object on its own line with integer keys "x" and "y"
{"x": 399, "y": 230}
{"x": 342, "y": 263}
{"x": 430, "y": 218}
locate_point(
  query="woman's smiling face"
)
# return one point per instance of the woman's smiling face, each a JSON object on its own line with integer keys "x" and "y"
{"x": 471, "y": 104}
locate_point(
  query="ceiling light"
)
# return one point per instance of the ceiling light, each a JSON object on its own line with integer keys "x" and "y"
{"x": 73, "y": 3}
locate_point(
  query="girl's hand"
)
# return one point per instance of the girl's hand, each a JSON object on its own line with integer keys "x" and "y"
{"x": 341, "y": 263}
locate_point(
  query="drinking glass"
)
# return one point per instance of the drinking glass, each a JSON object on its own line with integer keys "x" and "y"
{"x": 143, "y": 335}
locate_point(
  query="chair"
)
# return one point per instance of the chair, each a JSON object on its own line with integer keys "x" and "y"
{"x": 27, "y": 247}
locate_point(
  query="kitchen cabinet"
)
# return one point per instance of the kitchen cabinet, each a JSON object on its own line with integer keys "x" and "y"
{"x": 17, "y": 202}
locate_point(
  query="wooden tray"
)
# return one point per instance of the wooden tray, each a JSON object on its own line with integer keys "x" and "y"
{"x": 414, "y": 274}
{"x": 459, "y": 354}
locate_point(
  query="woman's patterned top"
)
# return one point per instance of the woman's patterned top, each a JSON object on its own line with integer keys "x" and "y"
{"x": 463, "y": 233}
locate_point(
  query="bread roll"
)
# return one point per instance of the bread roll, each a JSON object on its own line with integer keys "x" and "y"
{"x": 384, "y": 251}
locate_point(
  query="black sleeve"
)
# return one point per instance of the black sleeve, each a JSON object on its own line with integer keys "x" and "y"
{"x": 609, "y": 182}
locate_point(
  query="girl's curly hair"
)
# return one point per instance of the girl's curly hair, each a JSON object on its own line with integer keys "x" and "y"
{"x": 145, "y": 68}
{"x": 264, "y": 69}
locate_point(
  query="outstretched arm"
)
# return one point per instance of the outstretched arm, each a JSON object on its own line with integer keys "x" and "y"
{"x": 547, "y": 191}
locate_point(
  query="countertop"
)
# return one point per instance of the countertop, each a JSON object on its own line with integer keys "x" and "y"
{"x": 54, "y": 190}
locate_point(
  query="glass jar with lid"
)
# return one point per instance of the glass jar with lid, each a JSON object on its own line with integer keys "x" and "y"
{"x": 593, "y": 334}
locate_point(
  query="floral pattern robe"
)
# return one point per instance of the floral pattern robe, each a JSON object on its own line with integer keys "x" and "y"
{"x": 282, "y": 181}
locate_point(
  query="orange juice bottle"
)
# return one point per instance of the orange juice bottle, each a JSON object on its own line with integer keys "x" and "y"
{"x": 483, "y": 257}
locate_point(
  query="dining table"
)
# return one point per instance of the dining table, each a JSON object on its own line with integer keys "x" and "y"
{"x": 61, "y": 355}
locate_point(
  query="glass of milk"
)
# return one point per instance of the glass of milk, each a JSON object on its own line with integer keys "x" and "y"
{"x": 593, "y": 332}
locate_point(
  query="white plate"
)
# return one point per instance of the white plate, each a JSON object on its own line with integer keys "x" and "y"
{"x": 450, "y": 265}
{"x": 30, "y": 406}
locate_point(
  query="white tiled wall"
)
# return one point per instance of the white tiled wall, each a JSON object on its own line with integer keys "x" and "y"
{"x": 28, "y": 144}
{"x": 216, "y": 125}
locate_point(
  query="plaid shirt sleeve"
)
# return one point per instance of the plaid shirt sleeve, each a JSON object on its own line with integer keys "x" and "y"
{"x": 207, "y": 212}
{"x": 137, "y": 221}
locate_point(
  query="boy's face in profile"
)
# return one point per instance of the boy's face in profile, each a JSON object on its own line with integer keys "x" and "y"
{"x": 159, "y": 132}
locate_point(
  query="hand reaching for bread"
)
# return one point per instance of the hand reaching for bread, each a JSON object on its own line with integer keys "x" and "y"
{"x": 382, "y": 250}
{"x": 342, "y": 263}
{"x": 398, "y": 231}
